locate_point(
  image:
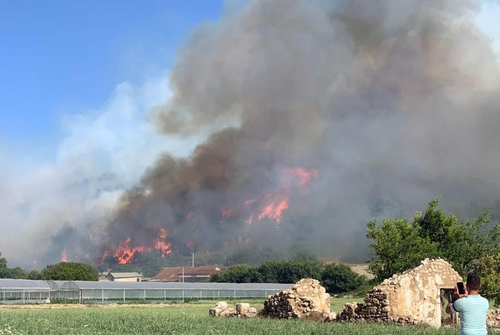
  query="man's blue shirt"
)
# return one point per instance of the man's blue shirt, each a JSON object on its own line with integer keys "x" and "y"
{"x": 473, "y": 310}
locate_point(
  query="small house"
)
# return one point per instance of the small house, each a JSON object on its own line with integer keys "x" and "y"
{"x": 124, "y": 276}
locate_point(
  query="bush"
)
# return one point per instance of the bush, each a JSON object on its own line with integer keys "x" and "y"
{"x": 284, "y": 271}
{"x": 70, "y": 271}
{"x": 339, "y": 278}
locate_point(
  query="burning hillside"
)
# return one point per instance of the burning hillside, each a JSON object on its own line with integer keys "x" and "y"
{"x": 318, "y": 116}
{"x": 268, "y": 204}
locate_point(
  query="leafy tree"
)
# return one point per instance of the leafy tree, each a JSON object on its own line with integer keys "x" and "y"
{"x": 6, "y": 272}
{"x": 152, "y": 267}
{"x": 488, "y": 268}
{"x": 14, "y": 273}
{"x": 239, "y": 273}
{"x": 399, "y": 245}
{"x": 340, "y": 278}
{"x": 293, "y": 271}
{"x": 459, "y": 243}
{"x": 70, "y": 271}
{"x": 3, "y": 262}
{"x": 283, "y": 271}
{"x": 35, "y": 275}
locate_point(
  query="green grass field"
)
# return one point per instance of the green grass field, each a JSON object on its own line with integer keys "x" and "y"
{"x": 175, "y": 319}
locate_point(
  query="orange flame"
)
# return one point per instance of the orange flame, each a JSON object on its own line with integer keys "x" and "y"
{"x": 271, "y": 204}
{"x": 64, "y": 259}
{"x": 163, "y": 233}
{"x": 125, "y": 253}
{"x": 162, "y": 247}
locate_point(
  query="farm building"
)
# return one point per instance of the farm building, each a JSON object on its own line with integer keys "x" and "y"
{"x": 124, "y": 276}
{"x": 19, "y": 291}
{"x": 417, "y": 296}
{"x": 186, "y": 274}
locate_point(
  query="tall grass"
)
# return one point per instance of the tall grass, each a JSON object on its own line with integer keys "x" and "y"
{"x": 188, "y": 319}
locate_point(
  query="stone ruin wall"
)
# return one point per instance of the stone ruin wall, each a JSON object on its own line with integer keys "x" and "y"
{"x": 410, "y": 298}
{"x": 306, "y": 299}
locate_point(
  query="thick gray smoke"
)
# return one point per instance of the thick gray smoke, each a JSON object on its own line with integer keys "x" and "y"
{"x": 392, "y": 102}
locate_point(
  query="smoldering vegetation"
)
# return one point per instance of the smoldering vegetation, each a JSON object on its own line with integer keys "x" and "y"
{"x": 392, "y": 103}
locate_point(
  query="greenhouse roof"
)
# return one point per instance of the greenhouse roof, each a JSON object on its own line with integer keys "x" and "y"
{"x": 90, "y": 285}
{"x": 7, "y": 284}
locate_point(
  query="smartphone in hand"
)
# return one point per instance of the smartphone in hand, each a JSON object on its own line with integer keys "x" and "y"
{"x": 461, "y": 288}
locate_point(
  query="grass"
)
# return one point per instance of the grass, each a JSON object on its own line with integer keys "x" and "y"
{"x": 337, "y": 304}
{"x": 175, "y": 319}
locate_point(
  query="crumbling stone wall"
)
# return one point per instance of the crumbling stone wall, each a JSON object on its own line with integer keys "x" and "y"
{"x": 493, "y": 318}
{"x": 413, "y": 297}
{"x": 306, "y": 299}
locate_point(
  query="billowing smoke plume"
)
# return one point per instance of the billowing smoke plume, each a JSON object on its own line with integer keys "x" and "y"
{"x": 383, "y": 104}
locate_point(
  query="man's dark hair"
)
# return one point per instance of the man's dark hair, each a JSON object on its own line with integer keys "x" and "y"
{"x": 473, "y": 282}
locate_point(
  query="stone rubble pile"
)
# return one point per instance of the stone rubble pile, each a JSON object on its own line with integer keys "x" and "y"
{"x": 242, "y": 310}
{"x": 375, "y": 309}
{"x": 493, "y": 318}
{"x": 306, "y": 299}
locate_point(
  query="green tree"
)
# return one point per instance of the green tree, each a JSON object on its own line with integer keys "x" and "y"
{"x": 3, "y": 262}
{"x": 239, "y": 273}
{"x": 152, "y": 267}
{"x": 488, "y": 268}
{"x": 340, "y": 278}
{"x": 70, "y": 271}
{"x": 6, "y": 272}
{"x": 35, "y": 275}
{"x": 399, "y": 245}
{"x": 293, "y": 271}
{"x": 460, "y": 243}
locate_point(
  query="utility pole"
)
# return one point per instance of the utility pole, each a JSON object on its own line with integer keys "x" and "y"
{"x": 192, "y": 259}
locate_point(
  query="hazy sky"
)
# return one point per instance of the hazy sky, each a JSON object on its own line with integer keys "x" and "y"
{"x": 77, "y": 80}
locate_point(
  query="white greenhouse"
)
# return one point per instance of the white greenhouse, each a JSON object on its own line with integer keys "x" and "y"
{"x": 37, "y": 291}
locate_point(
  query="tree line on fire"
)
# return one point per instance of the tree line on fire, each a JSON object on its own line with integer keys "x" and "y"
{"x": 397, "y": 245}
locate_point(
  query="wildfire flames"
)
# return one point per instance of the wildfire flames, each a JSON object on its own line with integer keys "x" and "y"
{"x": 64, "y": 259}
{"x": 125, "y": 253}
{"x": 270, "y": 204}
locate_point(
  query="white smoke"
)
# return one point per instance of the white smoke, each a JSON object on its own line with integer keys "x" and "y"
{"x": 102, "y": 155}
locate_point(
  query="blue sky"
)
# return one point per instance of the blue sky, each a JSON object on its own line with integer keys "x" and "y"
{"x": 66, "y": 57}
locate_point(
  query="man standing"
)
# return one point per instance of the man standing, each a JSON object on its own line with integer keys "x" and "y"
{"x": 472, "y": 308}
